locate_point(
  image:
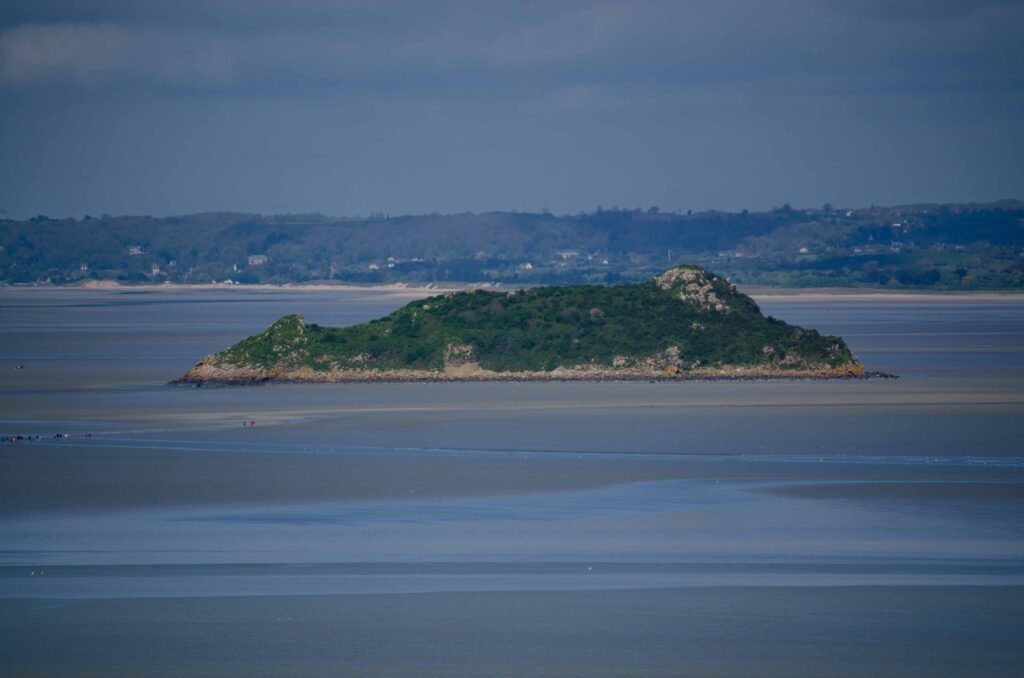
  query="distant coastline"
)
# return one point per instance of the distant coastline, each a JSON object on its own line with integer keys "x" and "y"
{"x": 412, "y": 290}
{"x": 861, "y": 294}
{"x": 954, "y": 246}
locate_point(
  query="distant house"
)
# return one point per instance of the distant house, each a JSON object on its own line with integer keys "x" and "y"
{"x": 374, "y": 267}
{"x": 136, "y": 250}
{"x": 257, "y": 259}
{"x": 84, "y": 268}
{"x": 526, "y": 267}
{"x": 155, "y": 269}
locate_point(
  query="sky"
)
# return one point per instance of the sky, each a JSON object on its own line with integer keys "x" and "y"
{"x": 409, "y": 107}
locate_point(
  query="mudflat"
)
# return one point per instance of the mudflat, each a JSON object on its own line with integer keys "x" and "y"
{"x": 482, "y": 528}
{"x": 924, "y": 631}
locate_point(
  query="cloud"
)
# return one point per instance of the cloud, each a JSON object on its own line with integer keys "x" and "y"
{"x": 559, "y": 38}
{"x": 101, "y": 54}
{"x": 414, "y": 50}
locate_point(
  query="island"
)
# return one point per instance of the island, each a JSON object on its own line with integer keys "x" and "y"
{"x": 686, "y": 323}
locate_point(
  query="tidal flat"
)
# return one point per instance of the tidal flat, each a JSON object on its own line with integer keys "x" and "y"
{"x": 785, "y": 528}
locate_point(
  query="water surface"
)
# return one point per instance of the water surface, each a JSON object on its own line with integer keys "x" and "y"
{"x": 602, "y": 528}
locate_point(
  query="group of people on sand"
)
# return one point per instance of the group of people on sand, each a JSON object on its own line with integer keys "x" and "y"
{"x": 248, "y": 423}
{"x": 29, "y": 438}
{"x": 18, "y": 439}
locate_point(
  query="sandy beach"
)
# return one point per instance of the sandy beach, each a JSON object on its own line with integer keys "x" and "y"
{"x": 418, "y": 290}
{"x": 404, "y": 289}
{"x": 881, "y": 296}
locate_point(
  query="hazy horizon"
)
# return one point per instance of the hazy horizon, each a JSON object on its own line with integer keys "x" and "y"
{"x": 566, "y": 215}
{"x": 349, "y": 108}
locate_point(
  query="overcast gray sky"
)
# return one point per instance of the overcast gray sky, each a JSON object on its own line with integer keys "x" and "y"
{"x": 134, "y": 107}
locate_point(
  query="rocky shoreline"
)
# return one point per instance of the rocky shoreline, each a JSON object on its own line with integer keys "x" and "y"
{"x": 206, "y": 373}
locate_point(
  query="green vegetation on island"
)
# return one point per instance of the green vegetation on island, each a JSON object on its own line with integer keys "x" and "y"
{"x": 685, "y": 322}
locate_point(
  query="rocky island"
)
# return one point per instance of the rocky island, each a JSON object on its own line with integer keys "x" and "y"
{"x": 686, "y": 323}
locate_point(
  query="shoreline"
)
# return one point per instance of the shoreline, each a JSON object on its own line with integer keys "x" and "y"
{"x": 802, "y": 294}
{"x": 785, "y": 294}
{"x": 390, "y": 288}
{"x": 206, "y": 375}
{"x": 448, "y": 379}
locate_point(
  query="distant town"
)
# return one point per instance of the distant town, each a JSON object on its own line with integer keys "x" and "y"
{"x": 940, "y": 247}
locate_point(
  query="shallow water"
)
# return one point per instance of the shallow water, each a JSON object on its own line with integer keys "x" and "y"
{"x": 485, "y": 511}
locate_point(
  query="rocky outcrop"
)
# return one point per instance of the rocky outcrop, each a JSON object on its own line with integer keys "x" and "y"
{"x": 695, "y": 285}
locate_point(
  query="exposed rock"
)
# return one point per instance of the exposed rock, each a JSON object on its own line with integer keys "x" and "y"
{"x": 643, "y": 371}
{"x": 459, "y": 354}
{"x": 695, "y": 285}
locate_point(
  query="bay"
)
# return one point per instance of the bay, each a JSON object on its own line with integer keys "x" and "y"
{"x": 637, "y": 528}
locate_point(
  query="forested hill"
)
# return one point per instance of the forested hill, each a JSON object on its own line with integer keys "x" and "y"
{"x": 686, "y": 322}
{"x": 958, "y": 247}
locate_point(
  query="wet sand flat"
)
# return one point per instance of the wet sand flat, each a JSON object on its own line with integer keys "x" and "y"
{"x": 89, "y": 478}
{"x": 793, "y": 528}
{"x": 846, "y": 631}
{"x": 1001, "y": 489}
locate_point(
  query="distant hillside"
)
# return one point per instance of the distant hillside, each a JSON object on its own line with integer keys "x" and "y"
{"x": 685, "y": 322}
{"x": 955, "y": 247}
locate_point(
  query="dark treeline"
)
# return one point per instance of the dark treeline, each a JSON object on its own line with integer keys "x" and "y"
{"x": 973, "y": 246}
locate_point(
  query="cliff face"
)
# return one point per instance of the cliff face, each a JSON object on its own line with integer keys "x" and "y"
{"x": 685, "y": 323}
